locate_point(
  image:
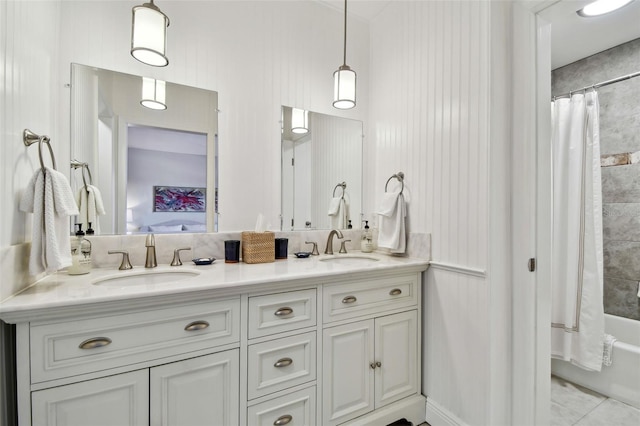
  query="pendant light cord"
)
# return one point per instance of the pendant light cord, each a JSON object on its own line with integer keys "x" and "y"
{"x": 345, "y": 33}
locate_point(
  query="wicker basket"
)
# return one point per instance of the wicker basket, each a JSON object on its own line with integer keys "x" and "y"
{"x": 258, "y": 247}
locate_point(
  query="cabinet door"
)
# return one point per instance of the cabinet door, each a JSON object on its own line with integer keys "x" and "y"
{"x": 347, "y": 373}
{"x": 197, "y": 391}
{"x": 396, "y": 357}
{"x": 121, "y": 400}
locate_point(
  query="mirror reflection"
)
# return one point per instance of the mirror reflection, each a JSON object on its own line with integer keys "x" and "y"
{"x": 155, "y": 168}
{"x": 321, "y": 171}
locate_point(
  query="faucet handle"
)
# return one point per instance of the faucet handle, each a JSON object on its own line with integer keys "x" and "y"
{"x": 314, "y": 251}
{"x": 343, "y": 249}
{"x": 176, "y": 256}
{"x": 125, "y": 264}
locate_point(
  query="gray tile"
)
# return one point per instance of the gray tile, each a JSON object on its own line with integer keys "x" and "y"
{"x": 621, "y": 260}
{"x": 620, "y": 298}
{"x": 573, "y": 398}
{"x": 563, "y": 416}
{"x": 621, "y": 184}
{"x": 621, "y": 221}
{"x": 611, "y": 412}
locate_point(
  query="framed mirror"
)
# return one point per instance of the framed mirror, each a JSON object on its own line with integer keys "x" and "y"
{"x": 321, "y": 171}
{"x": 154, "y": 168}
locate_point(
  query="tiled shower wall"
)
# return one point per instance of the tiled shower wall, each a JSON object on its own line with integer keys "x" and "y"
{"x": 620, "y": 149}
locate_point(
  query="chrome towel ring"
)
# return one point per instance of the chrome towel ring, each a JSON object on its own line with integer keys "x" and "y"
{"x": 29, "y": 138}
{"x": 400, "y": 177}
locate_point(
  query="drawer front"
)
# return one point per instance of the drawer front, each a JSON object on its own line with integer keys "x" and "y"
{"x": 366, "y": 297}
{"x": 297, "y": 408}
{"x": 77, "y": 347}
{"x": 282, "y": 363}
{"x": 276, "y": 313}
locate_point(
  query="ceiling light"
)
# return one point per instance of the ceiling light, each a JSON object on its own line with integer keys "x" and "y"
{"x": 344, "y": 89}
{"x": 299, "y": 121}
{"x": 600, "y": 7}
{"x": 153, "y": 93}
{"x": 149, "y": 35}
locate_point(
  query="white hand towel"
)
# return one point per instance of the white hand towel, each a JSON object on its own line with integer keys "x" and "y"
{"x": 334, "y": 206}
{"x": 90, "y": 203}
{"x": 340, "y": 218}
{"x": 392, "y": 232}
{"x": 49, "y": 197}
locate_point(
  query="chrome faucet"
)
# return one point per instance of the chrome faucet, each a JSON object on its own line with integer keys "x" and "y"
{"x": 150, "y": 244}
{"x": 329, "y": 248}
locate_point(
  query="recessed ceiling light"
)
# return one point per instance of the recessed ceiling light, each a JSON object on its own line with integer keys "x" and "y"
{"x": 600, "y": 7}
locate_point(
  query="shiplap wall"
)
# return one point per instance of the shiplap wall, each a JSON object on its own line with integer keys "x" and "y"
{"x": 429, "y": 117}
{"x": 257, "y": 55}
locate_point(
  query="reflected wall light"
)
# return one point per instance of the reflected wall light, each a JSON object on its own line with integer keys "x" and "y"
{"x": 149, "y": 35}
{"x": 344, "y": 79}
{"x": 153, "y": 93}
{"x": 299, "y": 121}
{"x": 601, "y": 7}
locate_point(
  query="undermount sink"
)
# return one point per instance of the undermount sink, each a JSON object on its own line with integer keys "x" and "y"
{"x": 350, "y": 260}
{"x": 145, "y": 278}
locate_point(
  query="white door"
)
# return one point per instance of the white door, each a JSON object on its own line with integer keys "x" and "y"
{"x": 348, "y": 376}
{"x": 121, "y": 400}
{"x": 197, "y": 391}
{"x": 396, "y": 341}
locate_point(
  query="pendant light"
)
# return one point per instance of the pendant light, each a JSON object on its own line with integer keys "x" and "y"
{"x": 149, "y": 35}
{"x": 299, "y": 121}
{"x": 153, "y": 93}
{"x": 344, "y": 88}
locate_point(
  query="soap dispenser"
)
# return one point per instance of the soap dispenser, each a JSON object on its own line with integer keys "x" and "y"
{"x": 80, "y": 254}
{"x": 366, "y": 245}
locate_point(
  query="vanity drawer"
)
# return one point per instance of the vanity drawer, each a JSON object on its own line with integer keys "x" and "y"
{"x": 366, "y": 297}
{"x": 280, "y": 364}
{"x": 83, "y": 346}
{"x": 276, "y": 313}
{"x": 296, "y": 408}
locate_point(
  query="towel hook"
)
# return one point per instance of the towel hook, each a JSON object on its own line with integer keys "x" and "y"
{"x": 29, "y": 138}
{"x": 342, "y": 185}
{"x": 400, "y": 177}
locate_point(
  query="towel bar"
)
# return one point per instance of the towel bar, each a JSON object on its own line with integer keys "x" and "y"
{"x": 29, "y": 138}
{"x": 400, "y": 177}
{"x": 342, "y": 185}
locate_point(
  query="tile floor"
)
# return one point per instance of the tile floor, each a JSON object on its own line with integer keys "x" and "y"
{"x": 572, "y": 404}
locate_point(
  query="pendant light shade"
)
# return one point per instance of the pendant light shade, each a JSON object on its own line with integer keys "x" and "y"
{"x": 299, "y": 121}
{"x": 149, "y": 35}
{"x": 153, "y": 93}
{"x": 344, "y": 79}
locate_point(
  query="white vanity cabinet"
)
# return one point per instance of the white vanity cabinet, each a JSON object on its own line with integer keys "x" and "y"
{"x": 372, "y": 362}
{"x": 318, "y": 349}
{"x": 167, "y": 366}
{"x": 282, "y": 358}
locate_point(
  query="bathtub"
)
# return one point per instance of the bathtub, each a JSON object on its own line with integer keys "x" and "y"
{"x": 619, "y": 381}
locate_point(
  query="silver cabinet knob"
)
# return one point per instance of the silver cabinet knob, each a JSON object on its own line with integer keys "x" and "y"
{"x": 283, "y": 420}
{"x": 349, "y": 299}
{"x": 283, "y": 362}
{"x": 283, "y": 312}
{"x": 196, "y": 325}
{"x": 95, "y": 342}
{"x": 395, "y": 292}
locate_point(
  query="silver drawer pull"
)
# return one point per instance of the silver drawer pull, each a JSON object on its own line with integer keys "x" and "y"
{"x": 283, "y": 312}
{"x": 395, "y": 292}
{"x": 283, "y": 420}
{"x": 196, "y": 325}
{"x": 283, "y": 362}
{"x": 95, "y": 342}
{"x": 349, "y": 299}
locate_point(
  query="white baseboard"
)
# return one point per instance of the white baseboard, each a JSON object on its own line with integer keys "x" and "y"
{"x": 439, "y": 416}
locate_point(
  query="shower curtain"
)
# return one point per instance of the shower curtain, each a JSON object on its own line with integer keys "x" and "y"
{"x": 577, "y": 311}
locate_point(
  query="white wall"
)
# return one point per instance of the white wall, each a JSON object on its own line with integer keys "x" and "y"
{"x": 257, "y": 55}
{"x": 431, "y": 69}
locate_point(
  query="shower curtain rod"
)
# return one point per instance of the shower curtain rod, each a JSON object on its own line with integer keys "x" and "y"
{"x": 602, "y": 84}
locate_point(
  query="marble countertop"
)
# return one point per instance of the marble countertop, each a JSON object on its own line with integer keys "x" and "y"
{"x": 61, "y": 295}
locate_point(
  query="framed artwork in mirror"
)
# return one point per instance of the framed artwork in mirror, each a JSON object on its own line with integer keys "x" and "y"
{"x": 178, "y": 199}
